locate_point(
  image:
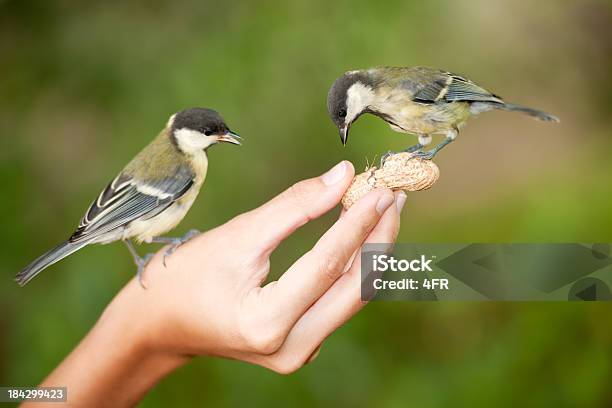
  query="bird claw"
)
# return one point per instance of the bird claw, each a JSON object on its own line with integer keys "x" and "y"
{"x": 428, "y": 155}
{"x": 385, "y": 156}
{"x": 169, "y": 251}
{"x": 141, "y": 265}
{"x": 177, "y": 242}
{"x": 415, "y": 150}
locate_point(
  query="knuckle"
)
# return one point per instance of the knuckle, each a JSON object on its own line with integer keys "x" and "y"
{"x": 287, "y": 365}
{"x": 289, "y": 362}
{"x": 300, "y": 191}
{"x": 331, "y": 265}
{"x": 299, "y": 195}
{"x": 261, "y": 337}
{"x": 363, "y": 226}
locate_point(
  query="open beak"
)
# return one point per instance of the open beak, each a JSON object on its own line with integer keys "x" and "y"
{"x": 229, "y": 137}
{"x": 344, "y": 133}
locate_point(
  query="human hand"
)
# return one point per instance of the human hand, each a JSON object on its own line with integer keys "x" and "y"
{"x": 209, "y": 298}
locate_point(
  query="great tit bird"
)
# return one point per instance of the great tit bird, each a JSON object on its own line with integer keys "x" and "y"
{"x": 418, "y": 100}
{"x": 152, "y": 194}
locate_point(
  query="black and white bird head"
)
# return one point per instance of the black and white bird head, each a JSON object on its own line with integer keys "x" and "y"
{"x": 195, "y": 130}
{"x": 348, "y": 98}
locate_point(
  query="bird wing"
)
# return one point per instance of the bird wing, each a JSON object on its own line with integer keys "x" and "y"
{"x": 126, "y": 199}
{"x": 448, "y": 87}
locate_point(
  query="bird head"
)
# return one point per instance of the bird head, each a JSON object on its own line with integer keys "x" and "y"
{"x": 348, "y": 98}
{"x": 195, "y": 130}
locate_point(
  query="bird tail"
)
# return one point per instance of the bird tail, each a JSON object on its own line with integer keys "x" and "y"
{"x": 47, "y": 259}
{"x": 543, "y": 116}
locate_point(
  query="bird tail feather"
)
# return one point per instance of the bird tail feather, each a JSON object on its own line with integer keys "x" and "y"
{"x": 543, "y": 116}
{"x": 47, "y": 259}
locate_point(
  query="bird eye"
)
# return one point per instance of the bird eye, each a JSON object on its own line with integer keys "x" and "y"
{"x": 208, "y": 132}
{"x": 342, "y": 113}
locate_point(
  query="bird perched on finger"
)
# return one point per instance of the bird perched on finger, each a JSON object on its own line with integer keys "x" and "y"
{"x": 418, "y": 100}
{"x": 151, "y": 195}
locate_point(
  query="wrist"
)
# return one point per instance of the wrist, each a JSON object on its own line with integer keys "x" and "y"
{"x": 135, "y": 362}
{"x": 130, "y": 327}
{"x": 117, "y": 362}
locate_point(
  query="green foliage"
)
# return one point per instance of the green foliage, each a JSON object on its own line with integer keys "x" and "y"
{"x": 84, "y": 85}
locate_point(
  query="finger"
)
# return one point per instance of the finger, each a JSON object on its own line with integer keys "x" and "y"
{"x": 333, "y": 309}
{"x": 345, "y": 294}
{"x": 314, "y": 355}
{"x": 313, "y": 274}
{"x": 300, "y": 203}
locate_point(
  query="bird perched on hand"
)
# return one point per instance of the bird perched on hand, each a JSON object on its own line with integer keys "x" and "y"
{"x": 417, "y": 100}
{"x": 152, "y": 194}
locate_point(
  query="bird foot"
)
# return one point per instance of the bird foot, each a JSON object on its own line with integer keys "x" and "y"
{"x": 427, "y": 155}
{"x": 177, "y": 242}
{"x": 141, "y": 264}
{"x": 385, "y": 156}
{"x": 416, "y": 148}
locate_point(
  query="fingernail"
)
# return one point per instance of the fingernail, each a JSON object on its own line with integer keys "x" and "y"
{"x": 335, "y": 174}
{"x": 384, "y": 202}
{"x": 400, "y": 201}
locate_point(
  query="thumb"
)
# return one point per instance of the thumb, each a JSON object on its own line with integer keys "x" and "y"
{"x": 302, "y": 202}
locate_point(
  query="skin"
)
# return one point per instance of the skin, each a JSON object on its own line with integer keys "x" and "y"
{"x": 210, "y": 300}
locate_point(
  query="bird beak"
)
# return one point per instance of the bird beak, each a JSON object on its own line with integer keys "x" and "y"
{"x": 344, "y": 133}
{"x": 229, "y": 137}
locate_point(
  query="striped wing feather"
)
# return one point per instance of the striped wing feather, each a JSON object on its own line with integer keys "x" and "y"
{"x": 126, "y": 199}
{"x": 448, "y": 87}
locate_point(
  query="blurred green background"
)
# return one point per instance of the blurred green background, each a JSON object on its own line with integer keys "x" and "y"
{"x": 84, "y": 85}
